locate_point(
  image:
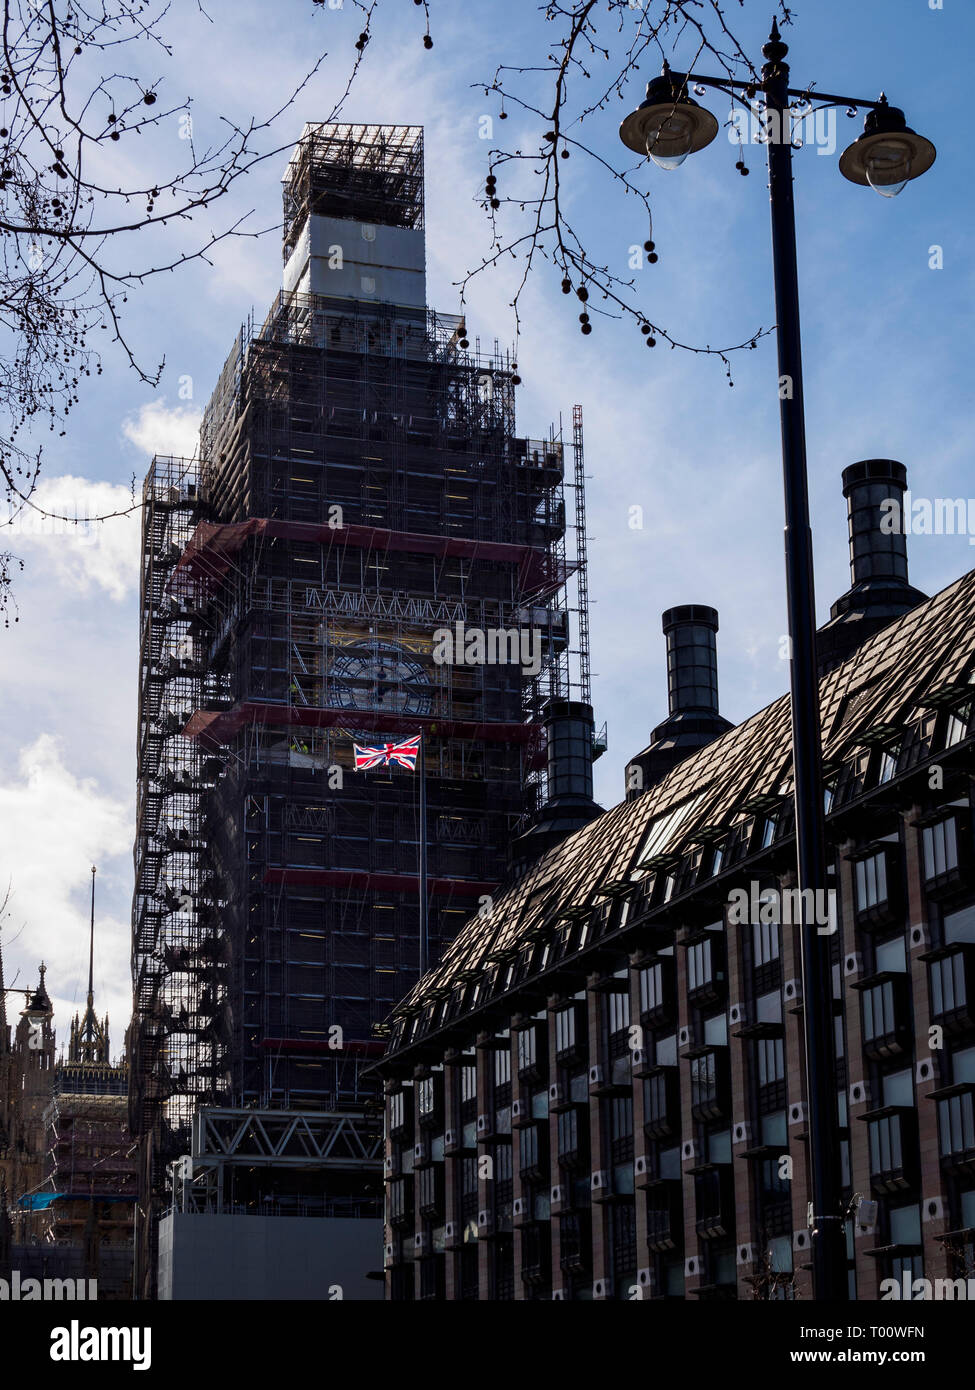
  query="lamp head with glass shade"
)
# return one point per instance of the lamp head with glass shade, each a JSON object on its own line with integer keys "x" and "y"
{"x": 888, "y": 154}
{"x": 668, "y": 126}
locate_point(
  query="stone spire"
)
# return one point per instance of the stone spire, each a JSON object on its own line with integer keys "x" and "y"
{"x": 89, "y": 1037}
{"x": 4, "y": 1029}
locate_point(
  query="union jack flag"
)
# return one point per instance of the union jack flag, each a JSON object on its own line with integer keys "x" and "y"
{"x": 403, "y": 754}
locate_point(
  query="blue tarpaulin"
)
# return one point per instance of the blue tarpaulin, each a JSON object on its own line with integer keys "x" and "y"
{"x": 40, "y": 1201}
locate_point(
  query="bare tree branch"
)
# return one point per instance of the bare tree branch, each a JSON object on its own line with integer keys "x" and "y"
{"x": 559, "y": 93}
{"x": 65, "y": 103}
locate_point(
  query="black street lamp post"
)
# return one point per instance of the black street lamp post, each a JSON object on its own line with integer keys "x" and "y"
{"x": 668, "y": 126}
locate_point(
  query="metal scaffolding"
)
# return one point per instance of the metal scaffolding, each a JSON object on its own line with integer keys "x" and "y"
{"x": 369, "y": 173}
{"x": 178, "y": 980}
{"x": 361, "y": 492}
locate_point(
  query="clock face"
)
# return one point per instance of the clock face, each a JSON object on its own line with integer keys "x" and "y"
{"x": 379, "y": 676}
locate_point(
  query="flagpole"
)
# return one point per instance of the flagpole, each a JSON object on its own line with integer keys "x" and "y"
{"x": 423, "y": 858}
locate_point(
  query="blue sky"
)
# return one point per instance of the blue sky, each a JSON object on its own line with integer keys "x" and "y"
{"x": 887, "y": 366}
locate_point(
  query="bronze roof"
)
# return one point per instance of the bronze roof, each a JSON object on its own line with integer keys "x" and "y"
{"x": 898, "y": 674}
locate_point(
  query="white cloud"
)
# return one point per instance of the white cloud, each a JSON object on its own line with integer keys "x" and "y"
{"x": 244, "y": 271}
{"x": 53, "y": 827}
{"x": 157, "y": 428}
{"x": 60, "y": 535}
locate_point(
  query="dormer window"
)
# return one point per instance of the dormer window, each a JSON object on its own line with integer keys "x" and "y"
{"x": 957, "y": 727}
{"x": 888, "y": 765}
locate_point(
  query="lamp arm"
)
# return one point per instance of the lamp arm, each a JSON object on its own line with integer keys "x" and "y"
{"x": 828, "y": 99}
{"x": 733, "y": 85}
